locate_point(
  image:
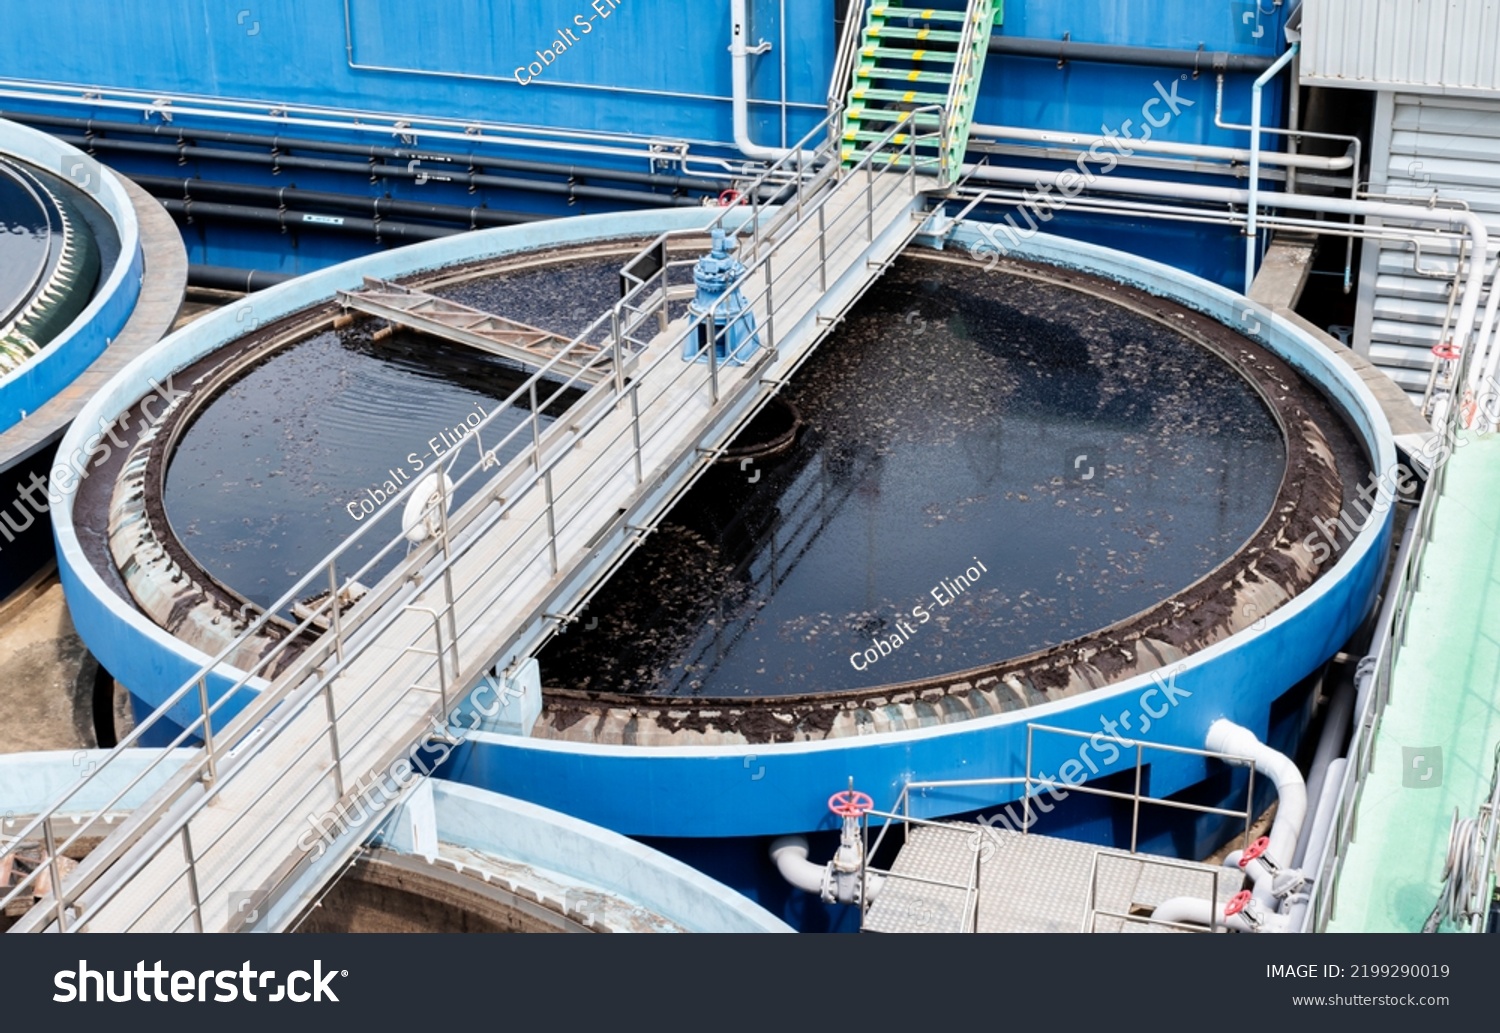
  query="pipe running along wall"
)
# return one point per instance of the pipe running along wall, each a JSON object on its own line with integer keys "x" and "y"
{"x": 1449, "y": 219}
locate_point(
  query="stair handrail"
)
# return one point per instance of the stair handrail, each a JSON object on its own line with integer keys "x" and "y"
{"x": 961, "y": 69}
{"x": 843, "y": 68}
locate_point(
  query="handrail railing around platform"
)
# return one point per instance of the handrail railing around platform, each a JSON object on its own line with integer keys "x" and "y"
{"x": 900, "y": 813}
{"x": 300, "y": 681}
{"x": 1136, "y": 798}
{"x": 968, "y": 913}
{"x": 1327, "y": 857}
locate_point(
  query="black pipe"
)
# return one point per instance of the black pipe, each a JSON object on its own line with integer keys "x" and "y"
{"x": 286, "y": 161}
{"x": 377, "y": 207}
{"x": 226, "y": 278}
{"x": 1110, "y": 53}
{"x": 278, "y": 143}
{"x": 287, "y": 219}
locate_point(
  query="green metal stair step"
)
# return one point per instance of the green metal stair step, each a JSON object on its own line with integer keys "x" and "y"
{"x": 897, "y": 139}
{"x": 921, "y": 14}
{"x": 917, "y": 97}
{"x": 925, "y": 120}
{"x": 917, "y": 54}
{"x": 903, "y": 74}
{"x": 917, "y": 35}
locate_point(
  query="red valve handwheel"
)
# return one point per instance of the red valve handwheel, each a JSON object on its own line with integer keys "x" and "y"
{"x": 1255, "y": 850}
{"x": 850, "y": 804}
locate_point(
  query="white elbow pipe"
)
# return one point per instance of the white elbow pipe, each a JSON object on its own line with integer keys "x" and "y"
{"x": 790, "y": 855}
{"x": 1291, "y": 799}
{"x": 1193, "y": 911}
{"x": 1291, "y": 792}
{"x": 739, "y": 18}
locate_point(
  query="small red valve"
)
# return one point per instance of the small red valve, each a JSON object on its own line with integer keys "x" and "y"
{"x": 1255, "y": 850}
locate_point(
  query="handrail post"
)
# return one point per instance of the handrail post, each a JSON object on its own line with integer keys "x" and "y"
{"x": 870, "y": 202}
{"x": 822, "y": 248}
{"x": 443, "y": 505}
{"x": 770, "y": 307}
{"x": 536, "y": 430}
{"x": 333, "y": 736}
{"x": 192, "y": 874}
{"x": 54, "y": 873}
{"x": 1135, "y": 813}
{"x": 618, "y": 351}
{"x": 551, "y": 518}
{"x": 208, "y": 730}
{"x": 1026, "y": 807}
{"x": 635, "y": 423}
{"x": 337, "y": 618}
{"x": 713, "y": 353}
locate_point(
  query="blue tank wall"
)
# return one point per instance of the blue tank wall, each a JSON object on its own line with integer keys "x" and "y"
{"x": 648, "y": 70}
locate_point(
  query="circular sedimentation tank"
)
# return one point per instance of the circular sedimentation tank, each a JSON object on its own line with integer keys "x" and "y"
{"x": 990, "y": 498}
{"x": 1021, "y": 481}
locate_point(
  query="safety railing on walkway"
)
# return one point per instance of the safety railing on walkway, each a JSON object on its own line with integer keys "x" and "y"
{"x": 1093, "y": 912}
{"x": 968, "y": 911}
{"x": 1385, "y": 649}
{"x": 1031, "y": 784}
{"x": 305, "y": 681}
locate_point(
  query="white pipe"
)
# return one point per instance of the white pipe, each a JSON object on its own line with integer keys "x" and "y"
{"x": 1252, "y": 235}
{"x": 1193, "y": 150}
{"x": 1453, "y": 219}
{"x": 1226, "y": 737}
{"x": 1323, "y": 814}
{"x": 790, "y": 855}
{"x": 739, "y": 17}
{"x": 1195, "y": 911}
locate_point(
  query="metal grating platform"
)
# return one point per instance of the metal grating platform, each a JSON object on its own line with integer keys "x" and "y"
{"x": 1030, "y": 884}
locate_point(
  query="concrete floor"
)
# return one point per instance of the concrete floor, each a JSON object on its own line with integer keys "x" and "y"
{"x": 46, "y": 673}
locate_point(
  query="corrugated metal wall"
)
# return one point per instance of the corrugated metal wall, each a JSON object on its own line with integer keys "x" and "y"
{"x": 1423, "y": 46}
{"x": 1422, "y": 145}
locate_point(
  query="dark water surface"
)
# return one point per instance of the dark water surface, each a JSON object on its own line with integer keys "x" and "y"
{"x": 25, "y": 242}
{"x": 1083, "y": 461}
{"x": 1089, "y": 460}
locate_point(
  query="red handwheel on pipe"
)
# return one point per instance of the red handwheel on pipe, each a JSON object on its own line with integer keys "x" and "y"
{"x": 850, "y": 804}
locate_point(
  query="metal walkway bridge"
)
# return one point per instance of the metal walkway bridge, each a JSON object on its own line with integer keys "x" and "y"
{"x": 293, "y": 745}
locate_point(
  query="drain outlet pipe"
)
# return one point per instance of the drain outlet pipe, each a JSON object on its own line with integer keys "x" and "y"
{"x": 1330, "y": 747}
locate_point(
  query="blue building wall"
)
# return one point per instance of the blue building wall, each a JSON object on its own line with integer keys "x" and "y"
{"x": 647, "y": 70}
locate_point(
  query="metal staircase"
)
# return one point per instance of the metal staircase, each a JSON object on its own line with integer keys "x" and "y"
{"x": 909, "y": 58}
